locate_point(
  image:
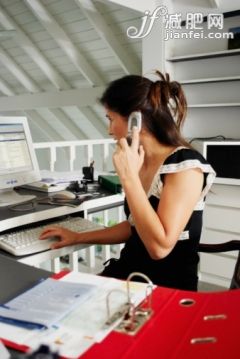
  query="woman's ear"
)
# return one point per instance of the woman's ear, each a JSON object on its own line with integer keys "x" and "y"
{"x": 143, "y": 131}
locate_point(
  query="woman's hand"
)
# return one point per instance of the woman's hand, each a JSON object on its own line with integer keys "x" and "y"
{"x": 128, "y": 160}
{"x": 65, "y": 236}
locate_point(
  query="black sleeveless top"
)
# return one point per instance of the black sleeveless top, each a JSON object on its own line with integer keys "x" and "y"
{"x": 179, "y": 268}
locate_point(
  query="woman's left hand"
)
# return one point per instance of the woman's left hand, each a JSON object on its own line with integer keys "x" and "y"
{"x": 128, "y": 160}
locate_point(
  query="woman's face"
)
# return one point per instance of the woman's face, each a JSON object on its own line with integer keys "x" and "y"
{"x": 118, "y": 125}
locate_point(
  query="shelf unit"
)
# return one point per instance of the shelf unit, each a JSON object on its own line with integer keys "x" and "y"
{"x": 221, "y": 224}
{"x": 207, "y": 55}
{"x": 210, "y": 80}
{"x": 202, "y": 105}
{"x": 222, "y": 212}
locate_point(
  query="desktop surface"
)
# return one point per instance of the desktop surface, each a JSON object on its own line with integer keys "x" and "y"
{"x": 7, "y": 212}
{"x": 10, "y": 219}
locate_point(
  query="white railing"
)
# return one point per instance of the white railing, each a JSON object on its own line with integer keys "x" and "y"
{"x": 71, "y": 146}
{"x": 102, "y": 147}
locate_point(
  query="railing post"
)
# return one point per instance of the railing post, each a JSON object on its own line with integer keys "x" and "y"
{"x": 72, "y": 153}
{"x": 55, "y": 265}
{"x": 119, "y": 247}
{"x": 89, "y": 154}
{"x": 73, "y": 261}
{"x": 90, "y": 251}
{"x": 53, "y": 158}
{"x": 106, "y": 248}
{"x": 88, "y": 146}
{"x": 105, "y": 155}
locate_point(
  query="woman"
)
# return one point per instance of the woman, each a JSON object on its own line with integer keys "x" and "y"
{"x": 165, "y": 182}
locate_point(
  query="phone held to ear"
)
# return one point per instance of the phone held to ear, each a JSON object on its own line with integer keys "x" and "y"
{"x": 134, "y": 119}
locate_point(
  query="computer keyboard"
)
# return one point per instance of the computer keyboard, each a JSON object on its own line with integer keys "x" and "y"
{"x": 26, "y": 241}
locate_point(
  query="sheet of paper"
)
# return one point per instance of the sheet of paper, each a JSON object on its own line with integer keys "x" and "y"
{"x": 92, "y": 315}
{"x": 61, "y": 177}
{"x": 67, "y": 342}
{"x": 47, "y": 302}
{"x": 64, "y": 177}
{"x": 84, "y": 324}
{"x": 15, "y": 334}
{"x": 4, "y": 353}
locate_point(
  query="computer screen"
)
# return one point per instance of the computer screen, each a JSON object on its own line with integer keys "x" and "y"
{"x": 18, "y": 163}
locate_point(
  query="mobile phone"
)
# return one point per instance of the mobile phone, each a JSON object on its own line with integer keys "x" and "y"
{"x": 134, "y": 119}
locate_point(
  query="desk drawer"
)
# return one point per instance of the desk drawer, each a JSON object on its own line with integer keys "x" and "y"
{"x": 217, "y": 265}
{"x": 217, "y": 268}
{"x": 222, "y": 218}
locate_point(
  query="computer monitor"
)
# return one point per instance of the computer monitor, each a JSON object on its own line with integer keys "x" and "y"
{"x": 18, "y": 162}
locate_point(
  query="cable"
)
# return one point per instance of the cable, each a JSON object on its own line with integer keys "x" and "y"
{"x": 24, "y": 207}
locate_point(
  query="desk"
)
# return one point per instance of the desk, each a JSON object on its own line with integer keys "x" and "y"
{"x": 169, "y": 332}
{"x": 12, "y": 219}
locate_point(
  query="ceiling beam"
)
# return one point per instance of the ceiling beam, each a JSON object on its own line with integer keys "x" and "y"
{"x": 42, "y": 123}
{"x": 87, "y": 126}
{"x": 214, "y": 3}
{"x": 67, "y": 122}
{"x": 129, "y": 65}
{"x": 16, "y": 71}
{"x": 29, "y": 85}
{"x": 5, "y": 88}
{"x": 93, "y": 119}
{"x": 139, "y": 5}
{"x": 56, "y": 124}
{"x": 67, "y": 127}
{"x": 37, "y": 128}
{"x": 59, "y": 35}
{"x": 33, "y": 52}
{"x": 79, "y": 97}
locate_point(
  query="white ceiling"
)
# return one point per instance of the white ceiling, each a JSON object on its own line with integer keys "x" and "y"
{"x": 205, "y": 6}
{"x": 60, "y": 58}
{"x": 58, "y": 55}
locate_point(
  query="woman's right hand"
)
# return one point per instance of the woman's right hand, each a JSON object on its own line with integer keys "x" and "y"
{"x": 66, "y": 237}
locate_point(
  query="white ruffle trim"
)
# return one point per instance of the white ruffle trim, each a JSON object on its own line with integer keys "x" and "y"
{"x": 156, "y": 186}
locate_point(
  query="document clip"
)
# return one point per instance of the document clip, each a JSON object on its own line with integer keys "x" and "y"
{"x": 132, "y": 318}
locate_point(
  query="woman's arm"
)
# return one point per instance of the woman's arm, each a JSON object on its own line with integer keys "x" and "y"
{"x": 160, "y": 230}
{"x": 111, "y": 235}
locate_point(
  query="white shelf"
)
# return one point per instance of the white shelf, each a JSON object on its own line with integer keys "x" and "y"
{"x": 210, "y": 79}
{"x": 207, "y": 55}
{"x": 202, "y": 105}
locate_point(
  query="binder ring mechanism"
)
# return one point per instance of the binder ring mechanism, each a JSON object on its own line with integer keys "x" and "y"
{"x": 131, "y": 317}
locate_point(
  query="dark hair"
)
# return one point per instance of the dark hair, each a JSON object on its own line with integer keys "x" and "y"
{"x": 162, "y": 103}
